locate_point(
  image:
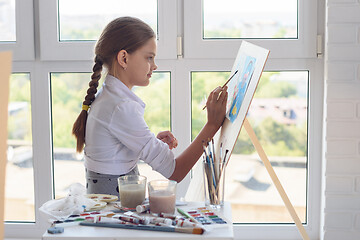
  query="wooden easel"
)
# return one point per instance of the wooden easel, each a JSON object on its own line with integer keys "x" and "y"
{"x": 275, "y": 179}
{"x": 5, "y": 70}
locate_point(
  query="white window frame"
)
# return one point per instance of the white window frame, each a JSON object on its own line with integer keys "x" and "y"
{"x": 54, "y": 50}
{"x": 23, "y": 48}
{"x": 176, "y": 18}
{"x": 196, "y": 47}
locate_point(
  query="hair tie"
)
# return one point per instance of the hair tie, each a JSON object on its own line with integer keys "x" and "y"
{"x": 85, "y": 107}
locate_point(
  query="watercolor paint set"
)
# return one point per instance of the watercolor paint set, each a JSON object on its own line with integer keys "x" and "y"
{"x": 206, "y": 216}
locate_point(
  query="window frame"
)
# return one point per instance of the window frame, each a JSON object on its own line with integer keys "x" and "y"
{"x": 196, "y": 47}
{"x": 54, "y": 50}
{"x": 23, "y": 48}
{"x": 288, "y": 230}
{"x": 51, "y": 57}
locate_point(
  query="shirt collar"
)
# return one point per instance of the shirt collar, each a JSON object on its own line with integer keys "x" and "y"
{"x": 118, "y": 85}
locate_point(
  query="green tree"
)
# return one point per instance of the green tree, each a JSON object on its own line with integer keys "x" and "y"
{"x": 157, "y": 99}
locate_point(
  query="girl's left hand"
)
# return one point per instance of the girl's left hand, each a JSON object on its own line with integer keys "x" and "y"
{"x": 168, "y": 138}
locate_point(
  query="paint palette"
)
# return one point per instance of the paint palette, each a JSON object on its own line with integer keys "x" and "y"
{"x": 206, "y": 216}
{"x": 99, "y": 205}
{"x": 102, "y": 197}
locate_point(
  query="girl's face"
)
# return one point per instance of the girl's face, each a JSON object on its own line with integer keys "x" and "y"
{"x": 141, "y": 64}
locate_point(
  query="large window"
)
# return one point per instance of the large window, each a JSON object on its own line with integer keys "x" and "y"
{"x": 197, "y": 42}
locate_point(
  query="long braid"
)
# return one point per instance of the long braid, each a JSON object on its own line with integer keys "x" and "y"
{"x": 79, "y": 126}
{"x": 123, "y": 33}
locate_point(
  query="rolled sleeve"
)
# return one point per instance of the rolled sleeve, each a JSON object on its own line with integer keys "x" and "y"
{"x": 158, "y": 155}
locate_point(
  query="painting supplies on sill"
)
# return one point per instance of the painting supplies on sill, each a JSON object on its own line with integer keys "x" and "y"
{"x": 75, "y": 219}
{"x": 203, "y": 216}
{"x": 214, "y": 174}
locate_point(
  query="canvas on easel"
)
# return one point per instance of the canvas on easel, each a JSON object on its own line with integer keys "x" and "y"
{"x": 5, "y": 70}
{"x": 249, "y": 64}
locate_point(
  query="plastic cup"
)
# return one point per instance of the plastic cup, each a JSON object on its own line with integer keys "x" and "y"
{"x": 162, "y": 196}
{"x": 132, "y": 190}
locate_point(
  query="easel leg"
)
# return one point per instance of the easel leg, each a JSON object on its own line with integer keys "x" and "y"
{"x": 275, "y": 179}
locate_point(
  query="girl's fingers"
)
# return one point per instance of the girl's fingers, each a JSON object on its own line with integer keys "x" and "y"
{"x": 170, "y": 140}
{"x": 223, "y": 95}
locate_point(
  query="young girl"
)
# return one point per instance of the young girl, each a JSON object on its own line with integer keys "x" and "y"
{"x": 112, "y": 125}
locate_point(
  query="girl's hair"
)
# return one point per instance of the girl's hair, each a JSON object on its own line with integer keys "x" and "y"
{"x": 123, "y": 33}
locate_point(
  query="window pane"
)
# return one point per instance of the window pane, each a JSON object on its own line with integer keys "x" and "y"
{"x": 7, "y": 21}
{"x": 85, "y": 19}
{"x": 67, "y": 94}
{"x": 278, "y": 115}
{"x": 250, "y": 19}
{"x": 157, "y": 112}
{"x": 19, "y": 195}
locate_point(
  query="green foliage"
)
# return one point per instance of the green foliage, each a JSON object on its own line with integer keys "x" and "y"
{"x": 69, "y": 33}
{"x": 19, "y": 122}
{"x": 67, "y": 94}
{"x": 278, "y": 89}
{"x": 157, "y": 99}
{"x": 202, "y": 84}
{"x": 281, "y": 139}
{"x": 281, "y": 33}
{"x": 19, "y": 88}
{"x": 223, "y": 33}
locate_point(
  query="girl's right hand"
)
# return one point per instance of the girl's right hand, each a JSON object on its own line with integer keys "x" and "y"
{"x": 216, "y": 107}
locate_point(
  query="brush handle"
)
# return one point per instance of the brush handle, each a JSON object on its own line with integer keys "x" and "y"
{"x": 146, "y": 227}
{"x": 130, "y": 226}
{"x": 225, "y": 84}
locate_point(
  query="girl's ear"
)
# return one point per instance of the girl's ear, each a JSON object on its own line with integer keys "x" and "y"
{"x": 121, "y": 58}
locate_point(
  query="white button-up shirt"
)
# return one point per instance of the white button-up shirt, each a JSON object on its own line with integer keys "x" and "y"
{"x": 117, "y": 136}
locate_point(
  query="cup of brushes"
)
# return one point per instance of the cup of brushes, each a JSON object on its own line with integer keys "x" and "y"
{"x": 214, "y": 175}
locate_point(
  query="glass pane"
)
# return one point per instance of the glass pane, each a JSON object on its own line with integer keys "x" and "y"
{"x": 250, "y": 19}
{"x": 19, "y": 190}
{"x": 278, "y": 114}
{"x": 7, "y": 21}
{"x": 67, "y": 94}
{"x": 85, "y": 19}
{"x": 157, "y": 112}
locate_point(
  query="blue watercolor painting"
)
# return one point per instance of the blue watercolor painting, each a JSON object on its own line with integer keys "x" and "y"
{"x": 241, "y": 83}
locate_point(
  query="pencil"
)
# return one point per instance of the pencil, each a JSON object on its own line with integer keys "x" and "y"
{"x": 225, "y": 84}
{"x": 192, "y": 230}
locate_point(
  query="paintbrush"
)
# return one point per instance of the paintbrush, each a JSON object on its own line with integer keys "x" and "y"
{"x": 194, "y": 230}
{"x": 225, "y": 83}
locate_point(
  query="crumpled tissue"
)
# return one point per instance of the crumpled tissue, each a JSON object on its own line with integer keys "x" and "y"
{"x": 74, "y": 203}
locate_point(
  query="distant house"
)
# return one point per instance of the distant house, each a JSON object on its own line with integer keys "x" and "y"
{"x": 290, "y": 111}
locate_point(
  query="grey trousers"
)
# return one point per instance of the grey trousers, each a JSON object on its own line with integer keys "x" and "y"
{"x": 104, "y": 183}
